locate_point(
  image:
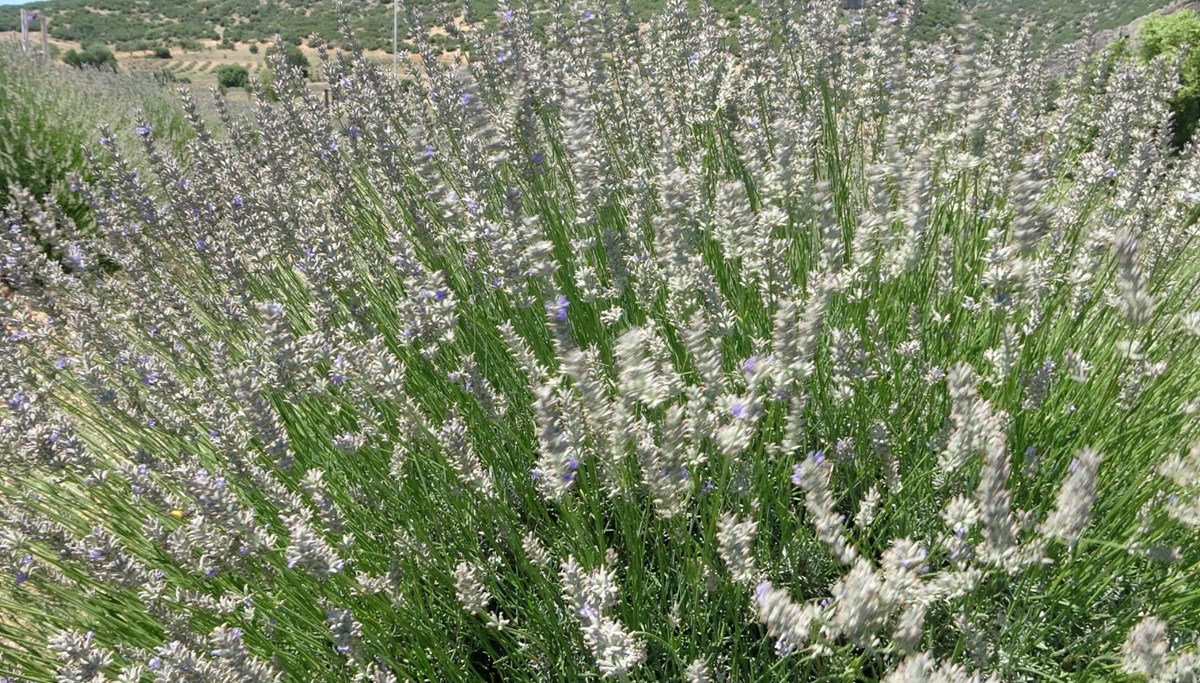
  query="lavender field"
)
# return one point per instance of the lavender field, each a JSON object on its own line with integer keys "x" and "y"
{"x": 795, "y": 351}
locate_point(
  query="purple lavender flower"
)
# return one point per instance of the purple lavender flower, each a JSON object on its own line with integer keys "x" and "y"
{"x": 842, "y": 447}
{"x": 18, "y": 402}
{"x": 740, "y": 410}
{"x": 144, "y": 130}
{"x": 558, "y": 308}
{"x": 761, "y": 591}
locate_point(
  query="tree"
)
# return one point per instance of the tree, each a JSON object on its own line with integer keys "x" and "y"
{"x": 162, "y": 52}
{"x": 292, "y": 56}
{"x": 1167, "y": 35}
{"x": 232, "y": 76}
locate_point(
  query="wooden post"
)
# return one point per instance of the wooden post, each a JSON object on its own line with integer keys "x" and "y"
{"x": 24, "y": 31}
{"x": 45, "y": 38}
{"x": 328, "y": 100}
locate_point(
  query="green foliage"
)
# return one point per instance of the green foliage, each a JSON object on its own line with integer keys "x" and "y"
{"x": 162, "y": 52}
{"x": 140, "y": 45}
{"x": 935, "y": 18}
{"x": 292, "y": 56}
{"x": 94, "y": 55}
{"x": 1166, "y": 36}
{"x": 232, "y": 76}
{"x": 254, "y": 48}
{"x": 49, "y": 115}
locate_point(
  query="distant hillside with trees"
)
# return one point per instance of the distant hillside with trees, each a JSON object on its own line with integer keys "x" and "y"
{"x": 140, "y": 24}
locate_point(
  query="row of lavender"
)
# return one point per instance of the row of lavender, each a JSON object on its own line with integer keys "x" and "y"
{"x": 640, "y": 352}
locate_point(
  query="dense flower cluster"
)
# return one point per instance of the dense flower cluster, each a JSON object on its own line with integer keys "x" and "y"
{"x": 792, "y": 349}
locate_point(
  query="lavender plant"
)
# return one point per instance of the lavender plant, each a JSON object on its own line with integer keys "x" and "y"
{"x": 623, "y": 352}
{"x": 48, "y": 115}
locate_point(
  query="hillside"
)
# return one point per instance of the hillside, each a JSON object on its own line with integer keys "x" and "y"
{"x": 124, "y": 22}
{"x": 1064, "y": 20}
{"x": 130, "y": 24}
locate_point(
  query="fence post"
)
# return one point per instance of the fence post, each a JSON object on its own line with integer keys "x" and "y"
{"x": 24, "y": 31}
{"x": 45, "y": 37}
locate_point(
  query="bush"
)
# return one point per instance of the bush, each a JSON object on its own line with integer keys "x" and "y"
{"x": 94, "y": 55}
{"x": 253, "y": 48}
{"x": 292, "y": 56}
{"x": 232, "y": 76}
{"x": 658, "y": 363}
{"x": 1166, "y": 36}
{"x": 162, "y": 52}
{"x": 140, "y": 45}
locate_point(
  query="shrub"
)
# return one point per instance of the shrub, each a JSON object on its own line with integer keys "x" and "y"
{"x": 622, "y": 355}
{"x": 162, "y": 52}
{"x": 139, "y": 45}
{"x": 253, "y": 48}
{"x": 292, "y": 56}
{"x": 93, "y": 55}
{"x": 232, "y": 76}
{"x": 1166, "y": 35}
